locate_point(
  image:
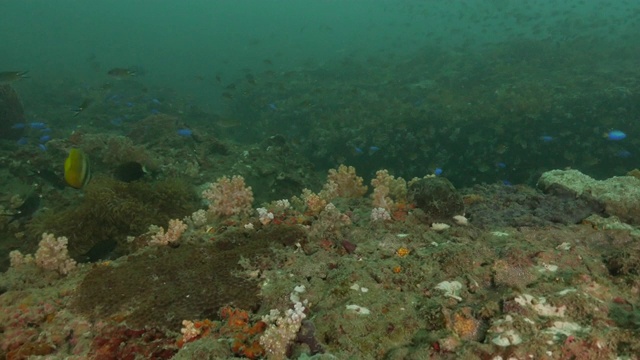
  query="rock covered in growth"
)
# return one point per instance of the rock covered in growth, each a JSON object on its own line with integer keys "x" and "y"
{"x": 164, "y": 286}
{"x": 437, "y": 197}
{"x": 497, "y": 205}
{"x": 619, "y": 195}
{"x": 11, "y": 113}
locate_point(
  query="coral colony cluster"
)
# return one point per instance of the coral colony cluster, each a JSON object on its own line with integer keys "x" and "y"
{"x": 175, "y": 229}
{"x": 229, "y": 196}
{"x": 283, "y": 328}
{"x": 400, "y": 272}
{"x": 52, "y": 255}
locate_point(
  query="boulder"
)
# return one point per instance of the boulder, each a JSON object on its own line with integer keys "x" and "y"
{"x": 619, "y": 195}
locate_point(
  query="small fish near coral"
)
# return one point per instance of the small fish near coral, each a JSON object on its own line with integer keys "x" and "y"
{"x": 82, "y": 107}
{"x": 30, "y": 205}
{"x": 129, "y": 171}
{"x": 77, "y": 171}
{"x": 121, "y": 73}
{"x": 8, "y": 77}
{"x": 50, "y": 177}
{"x": 37, "y": 125}
{"x": 615, "y": 135}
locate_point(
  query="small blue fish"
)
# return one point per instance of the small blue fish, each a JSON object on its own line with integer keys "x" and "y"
{"x": 438, "y": 172}
{"x": 23, "y": 141}
{"x": 358, "y": 150}
{"x": 155, "y": 111}
{"x": 373, "y": 149}
{"x": 116, "y": 121}
{"x": 273, "y": 107}
{"x": 501, "y": 165}
{"x": 546, "y": 138}
{"x": 623, "y": 154}
{"x": 44, "y": 138}
{"x": 37, "y": 125}
{"x": 506, "y": 183}
{"x": 45, "y": 130}
{"x": 42, "y": 147}
{"x": 185, "y": 132}
{"x": 18, "y": 126}
{"x": 156, "y": 101}
{"x": 615, "y": 135}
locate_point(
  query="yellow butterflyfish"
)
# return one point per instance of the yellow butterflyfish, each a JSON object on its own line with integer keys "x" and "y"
{"x": 77, "y": 172}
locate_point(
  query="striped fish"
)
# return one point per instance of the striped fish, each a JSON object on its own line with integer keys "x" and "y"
{"x": 77, "y": 171}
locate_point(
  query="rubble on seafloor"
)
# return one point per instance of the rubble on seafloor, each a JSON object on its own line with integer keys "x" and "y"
{"x": 526, "y": 275}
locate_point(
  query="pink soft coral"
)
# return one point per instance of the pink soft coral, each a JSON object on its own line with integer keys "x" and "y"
{"x": 52, "y": 254}
{"x": 229, "y": 197}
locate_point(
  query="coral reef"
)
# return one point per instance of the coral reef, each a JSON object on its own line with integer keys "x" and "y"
{"x": 490, "y": 96}
{"x": 372, "y": 289}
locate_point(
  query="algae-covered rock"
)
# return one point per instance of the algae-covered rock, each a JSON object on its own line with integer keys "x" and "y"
{"x": 437, "y": 197}
{"x": 492, "y": 206}
{"x": 111, "y": 210}
{"x": 163, "y": 286}
{"x": 565, "y": 182}
{"x": 619, "y": 195}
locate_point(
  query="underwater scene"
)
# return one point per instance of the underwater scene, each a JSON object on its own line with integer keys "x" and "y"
{"x": 320, "y": 179}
